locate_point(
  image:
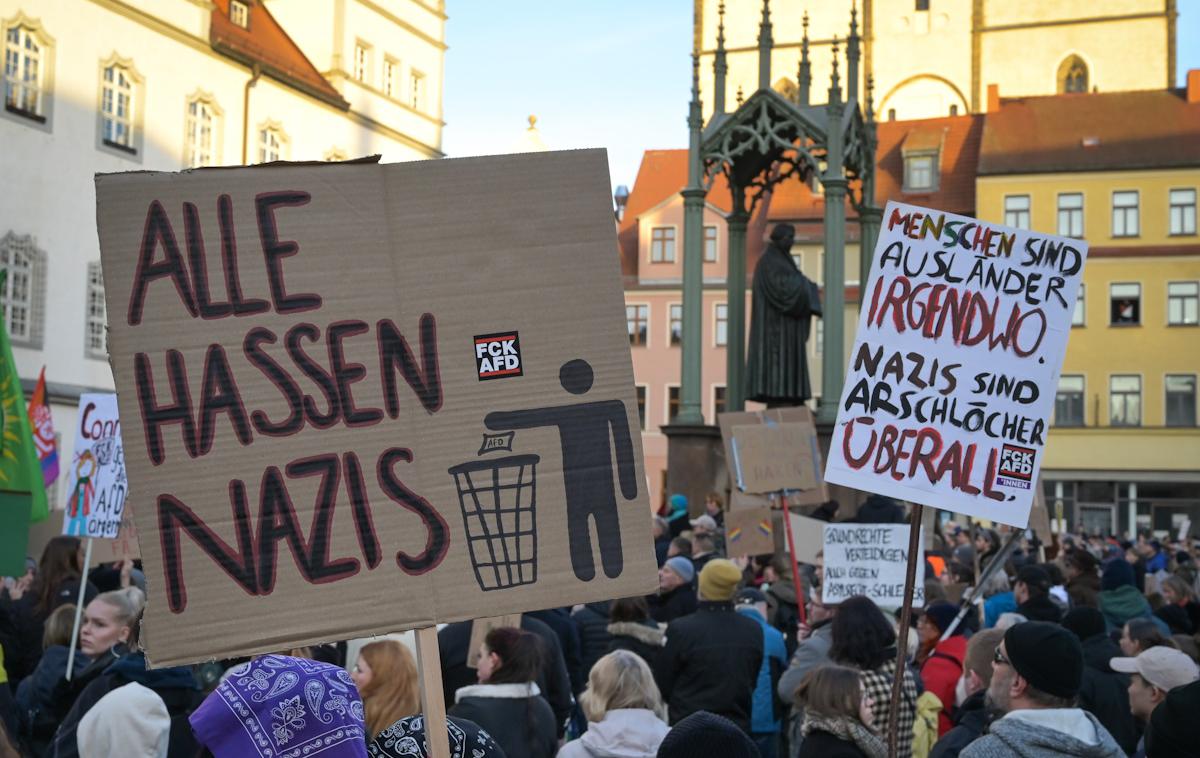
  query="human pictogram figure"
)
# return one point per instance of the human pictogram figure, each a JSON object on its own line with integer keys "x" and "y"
{"x": 587, "y": 456}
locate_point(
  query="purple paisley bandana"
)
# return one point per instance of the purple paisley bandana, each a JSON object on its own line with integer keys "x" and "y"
{"x": 281, "y": 707}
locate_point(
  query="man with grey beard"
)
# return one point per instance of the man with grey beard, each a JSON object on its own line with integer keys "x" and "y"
{"x": 1037, "y": 671}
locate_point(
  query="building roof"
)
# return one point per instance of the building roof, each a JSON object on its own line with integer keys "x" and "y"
{"x": 1091, "y": 132}
{"x": 265, "y": 43}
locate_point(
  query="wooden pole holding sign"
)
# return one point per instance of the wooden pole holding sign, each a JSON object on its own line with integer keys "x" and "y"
{"x": 433, "y": 703}
{"x": 83, "y": 582}
{"x": 791, "y": 541}
{"x": 914, "y": 544}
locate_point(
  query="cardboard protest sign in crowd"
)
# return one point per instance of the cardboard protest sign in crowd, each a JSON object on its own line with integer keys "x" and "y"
{"x": 952, "y": 378}
{"x": 361, "y": 398}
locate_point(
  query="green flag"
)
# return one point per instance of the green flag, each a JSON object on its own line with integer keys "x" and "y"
{"x": 20, "y": 470}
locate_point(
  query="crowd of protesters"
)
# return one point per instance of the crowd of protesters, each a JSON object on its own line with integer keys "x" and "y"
{"x": 1083, "y": 646}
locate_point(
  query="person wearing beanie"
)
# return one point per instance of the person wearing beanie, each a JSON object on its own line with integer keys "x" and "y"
{"x": 1083, "y": 579}
{"x": 1103, "y": 691}
{"x": 1171, "y": 732}
{"x": 711, "y": 658}
{"x": 706, "y": 735}
{"x": 277, "y": 704}
{"x": 940, "y": 662}
{"x": 1120, "y": 601}
{"x": 1032, "y": 593}
{"x": 676, "y": 596}
{"x": 1037, "y": 672}
{"x": 1153, "y": 674}
{"x": 677, "y": 514}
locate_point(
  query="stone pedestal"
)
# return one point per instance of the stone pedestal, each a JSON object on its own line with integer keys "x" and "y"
{"x": 695, "y": 463}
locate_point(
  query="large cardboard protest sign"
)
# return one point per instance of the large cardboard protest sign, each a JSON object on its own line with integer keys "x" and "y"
{"x": 869, "y": 560}
{"x": 775, "y": 457}
{"x": 97, "y": 485}
{"x": 803, "y": 435}
{"x": 953, "y": 373}
{"x": 364, "y": 398}
{"x": 749, "y": 531}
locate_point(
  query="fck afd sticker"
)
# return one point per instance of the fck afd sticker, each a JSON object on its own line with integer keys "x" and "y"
{"x": 1016, "y": 467}
{"x": 498, "y": 355}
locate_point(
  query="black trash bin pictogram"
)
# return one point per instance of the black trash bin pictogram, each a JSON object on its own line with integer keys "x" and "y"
{"x": 498, "y": 500}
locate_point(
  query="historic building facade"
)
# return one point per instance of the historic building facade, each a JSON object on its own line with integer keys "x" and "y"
{"x": 95, "y": 86}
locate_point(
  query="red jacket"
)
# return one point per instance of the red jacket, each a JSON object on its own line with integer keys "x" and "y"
{"x": 941, "y": 672}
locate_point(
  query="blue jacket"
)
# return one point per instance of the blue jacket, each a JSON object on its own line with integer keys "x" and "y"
{"x": 764, "y": 719}
{"x": 996, "y": 605}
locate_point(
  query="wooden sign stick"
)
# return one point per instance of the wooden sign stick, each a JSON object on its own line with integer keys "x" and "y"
{"x": 433, "y": 703}
{"x": 787, "y": 524}
{"x": 914, "y": 544}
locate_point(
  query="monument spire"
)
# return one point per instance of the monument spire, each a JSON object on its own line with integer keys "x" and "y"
{"x": 852, "y": 56}
{"x": 719, "y": 66}
{"x": 835, "y": 84}
{"x": 804, "y": 74}
{"x": 765, "y": 43}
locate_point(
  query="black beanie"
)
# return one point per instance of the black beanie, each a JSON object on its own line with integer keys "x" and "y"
{"x": 1049, "y": 657}
{"x": 1171, "y": 731}
{"x": 1084, "y": 622}
{"x": 707, "y": 734}
{"x": 1035, "y": 578}
{"x": 1117, "y": 573}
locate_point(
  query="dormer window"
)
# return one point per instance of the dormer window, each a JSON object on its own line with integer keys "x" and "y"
{"x": 920, "y": 172}
{"x": 239, "y": 13}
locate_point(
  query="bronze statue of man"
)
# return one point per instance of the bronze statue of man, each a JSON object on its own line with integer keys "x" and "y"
{"x": 781, "y": 310}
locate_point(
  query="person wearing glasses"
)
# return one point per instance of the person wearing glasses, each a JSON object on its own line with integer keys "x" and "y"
{"x": 1037, "y": 671}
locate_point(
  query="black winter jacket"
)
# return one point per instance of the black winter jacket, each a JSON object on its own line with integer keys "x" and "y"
{"x": 176, "y": 686}
{"x": 36, "y": 705}
{"x": 710, "y": 662}
{"x": 667, "y": 606}
{"x": 969, "y": 722}
{"x": 559, "y": 620}
{"x": 819, "y": 744}
{"x": 555, "y": 685}
{"x": 1041, "y": 608}
{"x": 645, "y": 640}
{"x": 522, "y": 724}
{"x": 1105, "y": 693}
{"x": 592, "y": 622}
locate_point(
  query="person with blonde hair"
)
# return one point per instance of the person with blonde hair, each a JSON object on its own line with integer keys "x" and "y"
{"x": 387, "y": 681}
{"x": 35, "y": 694}
{"x": 839, "y": 716}
{"x": 625, "y": 712}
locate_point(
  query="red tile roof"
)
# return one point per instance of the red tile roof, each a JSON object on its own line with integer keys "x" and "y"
{"x": 264, "y": 42}
{"x": 1092, "y": 132}
{"x": 959, "y": 137}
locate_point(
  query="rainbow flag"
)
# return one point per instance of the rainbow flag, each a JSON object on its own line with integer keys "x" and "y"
{"x": 43, "y": 431}
{"x": 735, "y": 533}
{"x": 764, "y": 527}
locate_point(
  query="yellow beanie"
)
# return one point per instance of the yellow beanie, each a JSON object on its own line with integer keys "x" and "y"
{"x": 719, "y": 580}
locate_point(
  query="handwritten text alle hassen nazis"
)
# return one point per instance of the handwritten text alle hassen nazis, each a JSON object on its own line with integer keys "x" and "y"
{"x": 252, "y": 564}
{"x": 918, "y": 291}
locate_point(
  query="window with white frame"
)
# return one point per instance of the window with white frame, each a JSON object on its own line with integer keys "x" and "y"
{"x": 1125, "y": 222}
{"x": 637, "y": 322}
{"x": 116, "y": 107}
{"x": 1125, "y": 303}
{"x": 1078, "y": 316}
{"x": 23, "y": 292}
{"x": 239, "y": 13}
{"x": 1181, "y": 399}
{"x": 1016, "y": 211}
{"x": 416, "y": 90}
{"x": 1182, "y": 301}
{"x": 271, "y": 142}
{"x": 1068, "y": 401}
{"x": 1183, "y": 212}
{"x": 24, "y": 72}
{"x": 1070, "y": 214}
{"x": 662, "y": 244}
{"x": 1125, "y": 400}
{"x": 391, "y": 76}
{"x": 95, "y": 340}
{"x": 675, "y": 323}
{"x": 362, "y": 62}
{"x": 710, "y": 244}
{"x": 200, "y": 132}
{"x": 721, "y": 324}
{"x": 920, "y": 171}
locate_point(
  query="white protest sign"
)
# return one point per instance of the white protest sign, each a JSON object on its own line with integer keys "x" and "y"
{"x": 96, "y": 478}
{"x": 954, "y": 369}
{"x": 869, "y": 560}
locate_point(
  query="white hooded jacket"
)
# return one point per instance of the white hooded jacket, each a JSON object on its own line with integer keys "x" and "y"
{"x": 624, "y": 733}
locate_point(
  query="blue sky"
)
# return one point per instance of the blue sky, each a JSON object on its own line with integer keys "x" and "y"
{"x": 613, "y": 74}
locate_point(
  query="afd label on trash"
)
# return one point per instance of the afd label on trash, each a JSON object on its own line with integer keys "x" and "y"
{"x": 498, "y": 355}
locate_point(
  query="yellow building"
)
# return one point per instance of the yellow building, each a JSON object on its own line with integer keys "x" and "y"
{"x": 933, "y": 58}
{"x": 1121, "y": 170}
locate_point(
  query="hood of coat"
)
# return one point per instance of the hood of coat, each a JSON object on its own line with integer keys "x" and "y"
{"x": 625, "y": 733}
{"x": 509, "y": 691}
{"x": 1122, "y": 604}
{"x": 651, "y": 635}
{"x": 1055, "y": 731}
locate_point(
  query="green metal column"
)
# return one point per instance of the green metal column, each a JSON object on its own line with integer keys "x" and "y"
{"x": 868, "y": 225}
{"x": 735, "y": 299}
{"x": 693, "y": 272}
{"x": 833, "y": 364}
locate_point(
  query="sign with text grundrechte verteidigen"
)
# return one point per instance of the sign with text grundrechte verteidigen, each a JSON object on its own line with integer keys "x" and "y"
{"x": 952, "y": 378}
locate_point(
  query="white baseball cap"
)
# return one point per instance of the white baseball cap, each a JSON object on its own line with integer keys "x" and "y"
{"x": 1163, "y": 667}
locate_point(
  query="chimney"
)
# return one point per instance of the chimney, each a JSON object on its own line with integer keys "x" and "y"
{"x": 993, "y": 101}
{"x": 1193, "y": 86}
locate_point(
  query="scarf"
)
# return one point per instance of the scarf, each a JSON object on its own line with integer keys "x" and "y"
{"x": 850, "y": 730}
